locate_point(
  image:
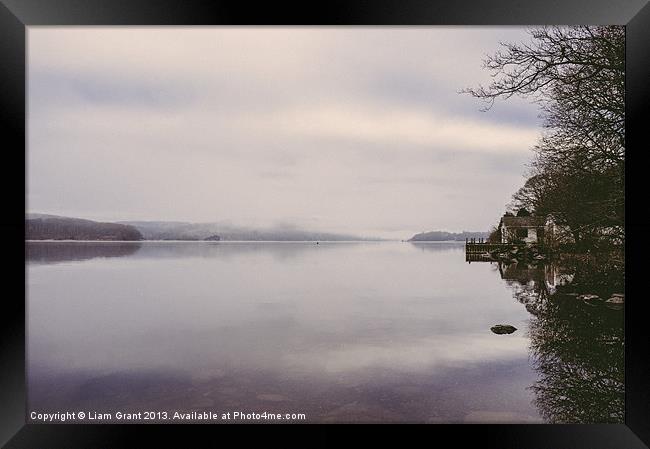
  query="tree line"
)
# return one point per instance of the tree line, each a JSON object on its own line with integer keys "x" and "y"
{"x": 62, "y": 228}
{"x": 577, "y": 76}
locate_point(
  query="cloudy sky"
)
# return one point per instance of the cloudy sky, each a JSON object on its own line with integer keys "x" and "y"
{"x": 356, "y": 130}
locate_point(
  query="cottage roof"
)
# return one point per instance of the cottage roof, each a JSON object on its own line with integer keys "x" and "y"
{"x": 523, "y": 221}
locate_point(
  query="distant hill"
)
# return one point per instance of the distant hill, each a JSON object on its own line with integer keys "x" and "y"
{"x": 173, "y": 230}
{"x": 51, "y": 227}
{"x": 442, "y": 236}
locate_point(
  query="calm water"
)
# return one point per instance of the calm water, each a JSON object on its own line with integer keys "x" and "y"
{"x": 342, "y": 332}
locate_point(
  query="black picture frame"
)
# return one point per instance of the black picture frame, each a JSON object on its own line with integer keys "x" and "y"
{"x": 16, "y": 15}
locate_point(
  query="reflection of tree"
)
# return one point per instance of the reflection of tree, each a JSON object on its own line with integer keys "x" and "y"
{"x": 53, "y": 252}
{"x": 576, "y": 348}
{"x": 578, "y": 352}
{"x": 527, "y": 283}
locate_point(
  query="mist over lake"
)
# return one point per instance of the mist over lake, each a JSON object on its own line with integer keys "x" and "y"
{"x": 370, "y": 224}
{"x": 340, "y": 331}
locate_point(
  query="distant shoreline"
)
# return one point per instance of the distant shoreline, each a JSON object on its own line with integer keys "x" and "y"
{"x": 220, "y": 241}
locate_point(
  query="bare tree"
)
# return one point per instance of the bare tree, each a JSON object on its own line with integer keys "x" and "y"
{"x": 577, "y": 76}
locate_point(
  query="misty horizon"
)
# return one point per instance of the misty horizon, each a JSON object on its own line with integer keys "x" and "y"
{"x": 344, "y": 130}
{"x": 229, "y": 226}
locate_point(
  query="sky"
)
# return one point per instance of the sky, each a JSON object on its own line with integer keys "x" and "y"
{"x": 336, "y": 129}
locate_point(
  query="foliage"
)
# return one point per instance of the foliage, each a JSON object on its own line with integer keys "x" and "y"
{"x": 442, "y": 236}
{"x": 577, "y": 76}
{"x": 495, "y": 235}
{"x": 62, "y": 228}
{"x": 577, "y": 349}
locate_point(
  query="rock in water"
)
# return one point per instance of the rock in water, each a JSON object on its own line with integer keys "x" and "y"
{"x": 503, "y": 329}
{"x": 591, "y": 300}
{"x": 616, "y": 302}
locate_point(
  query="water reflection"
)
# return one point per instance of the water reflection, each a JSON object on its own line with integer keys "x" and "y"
{"x": 345, "y": 332}
{"x": 576, "y": 346}
{"x": 56, "y": 251}
{"x": 438, "y": 246}
{"x": 53, "y": 252}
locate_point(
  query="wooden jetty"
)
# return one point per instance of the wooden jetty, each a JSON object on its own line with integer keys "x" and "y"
{"x": 477, "y": 250}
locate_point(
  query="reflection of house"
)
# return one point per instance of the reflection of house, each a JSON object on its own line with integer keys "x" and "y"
{"x": 521, "y": 273}
{"x": 528, "y": 229}
{"x": 550, "y": 274}
{"x": 555, "y": 276}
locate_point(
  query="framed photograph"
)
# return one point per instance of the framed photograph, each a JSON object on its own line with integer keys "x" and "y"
{"x": 389, "y": 213}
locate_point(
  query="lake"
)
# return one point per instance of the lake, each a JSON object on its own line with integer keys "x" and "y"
{"x": 339, "y": 331}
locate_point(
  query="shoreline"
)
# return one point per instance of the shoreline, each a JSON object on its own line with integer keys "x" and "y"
{"x": 219, "y": 241}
